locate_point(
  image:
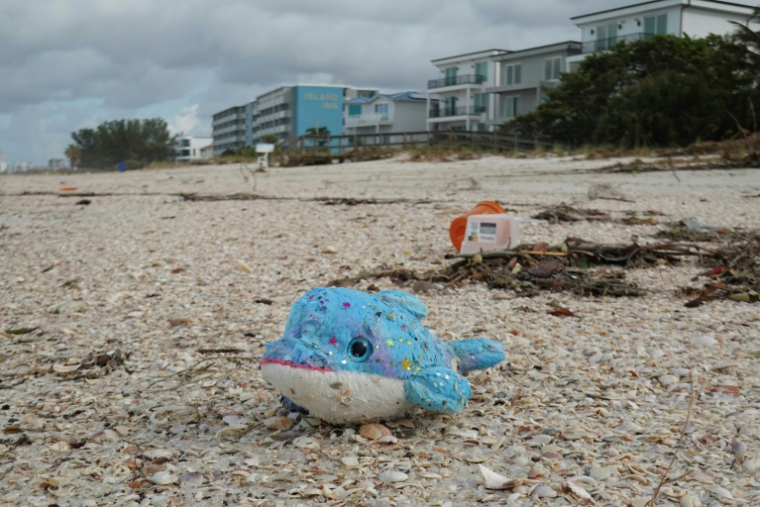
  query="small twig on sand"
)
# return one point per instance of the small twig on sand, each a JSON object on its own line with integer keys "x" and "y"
{"x": 678, "y": 446}
{"x": 220, "y": 351}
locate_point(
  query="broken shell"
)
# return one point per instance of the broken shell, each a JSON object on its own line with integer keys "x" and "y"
{"x": 690, "y": 500}
{"x": 306, "y": 443}
{"x": 668, "y": 380}
{"x": 541, "y": 439}
{"x": 373, "y": 431}
{"x": 387, "y": 439}
{"x": 350, "y": 461}
{"x": 492, "y": 480}
{"x": 578, "y": 490}
{"x": 278, "y": 423}
{"x": 573, "y": 433}
{"x": 475, "y": 455}
{"x": 542, "y": 491}
{"x": 720, "y": 492}
{"x": 738, "y": 447}
{"x": 162, "y": 478}
{"x": 600, "y": 473}
{"x": 392, "y": 476}
{"x": 156, "y": 454}
{"x": 641, "y": 501}
{"x": 705, "y": 341}
{"x": 195, "y": 478}
{"x": 535, "y": 473}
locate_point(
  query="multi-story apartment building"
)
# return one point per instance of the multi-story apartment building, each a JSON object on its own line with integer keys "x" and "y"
{"x": 287, "y": 111}
{"x": 291, "y": 111}
{"x": 272, "y": 115}
{"x": 508, "y": 83}
{"x": 386, "y": 114}
{"x": 696, "y": 18}
{"x": 520, "y": 78}
{"x": 463, "y": 102}
{"x": 191, "y": 148}
{"x": 228, "y": 129}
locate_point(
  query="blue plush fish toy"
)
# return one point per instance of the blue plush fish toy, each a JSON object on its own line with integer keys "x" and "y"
{"x": 347, "y": 356}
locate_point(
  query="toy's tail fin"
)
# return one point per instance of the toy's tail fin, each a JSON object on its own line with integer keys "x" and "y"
{"x": 476, "y": 353}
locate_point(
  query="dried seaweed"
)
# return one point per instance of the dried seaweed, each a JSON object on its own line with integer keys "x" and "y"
{"x": 734, "y": 273}
{"x": 564, "y": 213}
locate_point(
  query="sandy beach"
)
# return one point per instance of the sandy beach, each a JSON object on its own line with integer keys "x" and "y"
{"x": 136, "y": 379}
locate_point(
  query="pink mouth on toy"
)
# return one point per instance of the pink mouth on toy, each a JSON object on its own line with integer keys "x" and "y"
{"x": 293, "y": 365}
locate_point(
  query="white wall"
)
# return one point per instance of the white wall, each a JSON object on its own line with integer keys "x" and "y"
{"x": 196, "y": 143}
{"x": 701, "y": 22}
{"x": 409, "y": 116}
{"x": 629, "y": 23}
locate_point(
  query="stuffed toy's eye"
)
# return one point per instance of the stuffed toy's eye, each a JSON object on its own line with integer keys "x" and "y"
{"x": 360, "y": 349}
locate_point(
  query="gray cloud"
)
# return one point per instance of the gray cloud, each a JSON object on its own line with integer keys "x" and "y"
{"x": 133, "y": 57}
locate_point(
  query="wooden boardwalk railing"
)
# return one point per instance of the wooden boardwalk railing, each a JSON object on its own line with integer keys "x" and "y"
{"x": 319, "y": 149}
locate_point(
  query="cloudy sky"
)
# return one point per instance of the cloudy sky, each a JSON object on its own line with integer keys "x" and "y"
{"x": 71, "y": 64}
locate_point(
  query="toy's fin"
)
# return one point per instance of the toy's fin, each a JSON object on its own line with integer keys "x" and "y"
{"x": 289, "y": 405}
{"x": 476, "y": 353}
{"x": 438, "y": 389}
{"x": 404, "y": 300}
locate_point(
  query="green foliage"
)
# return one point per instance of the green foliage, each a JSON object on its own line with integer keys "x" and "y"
{"x": 74, "y": 154}
{"x": 319, "y": 131}
{"x": 138, "y": 142}
{"x": 666, "y": 91}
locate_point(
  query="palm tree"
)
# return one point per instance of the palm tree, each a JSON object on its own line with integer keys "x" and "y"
{"x": 323, "y": 132}
{"x": 74, "y": 154}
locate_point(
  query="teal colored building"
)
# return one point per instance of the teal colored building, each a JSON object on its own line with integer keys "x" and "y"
{"x": 285, "y": 112}
{"x": 318, "y": 108}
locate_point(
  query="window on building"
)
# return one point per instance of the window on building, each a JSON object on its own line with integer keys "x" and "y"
{"x": 354, "y": 110}
{"x": 449, "y": 106}
{"x": 512, "y": 74}
{"x": 450, "y": 73}
{"x": 481, "y": 127}
{"x": 481, "y": 72}
{"x": 656, "y": 25}
{"x": 552, "y": 68}
{"x": 510, "y": 107}
{"x": 381, "y": 110}
{"x": 481, "y": 102}
{"x": 606, "y": 36}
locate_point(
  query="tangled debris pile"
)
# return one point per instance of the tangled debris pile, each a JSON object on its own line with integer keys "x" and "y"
{"x": 531, "y": 268}
{"x": 735, "y": 274}
{"x": 583, "y": 268}
{"x": 565, "y": 213}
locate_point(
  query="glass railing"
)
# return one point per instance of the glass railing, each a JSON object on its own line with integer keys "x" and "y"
{"x": 456, "y": 80}
{"x": 610, "y": 42}
{"x": 444, "y": 112}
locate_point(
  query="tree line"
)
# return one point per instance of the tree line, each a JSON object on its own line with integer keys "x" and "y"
{"x": 664, "y": 91}
{"x": 137, "y": 143}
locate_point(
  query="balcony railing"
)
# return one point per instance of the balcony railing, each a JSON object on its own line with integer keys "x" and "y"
{"x": 445, "y": 112}
{"x": 367, "y": 119}
{"x": 610, "y": 42}
{"x": 456, "y": 80}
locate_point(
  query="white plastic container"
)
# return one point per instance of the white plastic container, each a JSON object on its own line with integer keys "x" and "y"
{"x": 486, "y": 233}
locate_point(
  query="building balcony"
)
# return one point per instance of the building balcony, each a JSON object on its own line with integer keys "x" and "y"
{"x": 467, "y": 79}
{"x": 367, "y": 120}
{"x": 271, "y": 116}
{"x": 594, "y": 46}
{"x": 227, "y": 130}
{"x": 448, "y": 112}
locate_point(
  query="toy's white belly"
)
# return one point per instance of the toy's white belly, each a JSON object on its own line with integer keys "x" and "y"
{"x": 339, "y": 397}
